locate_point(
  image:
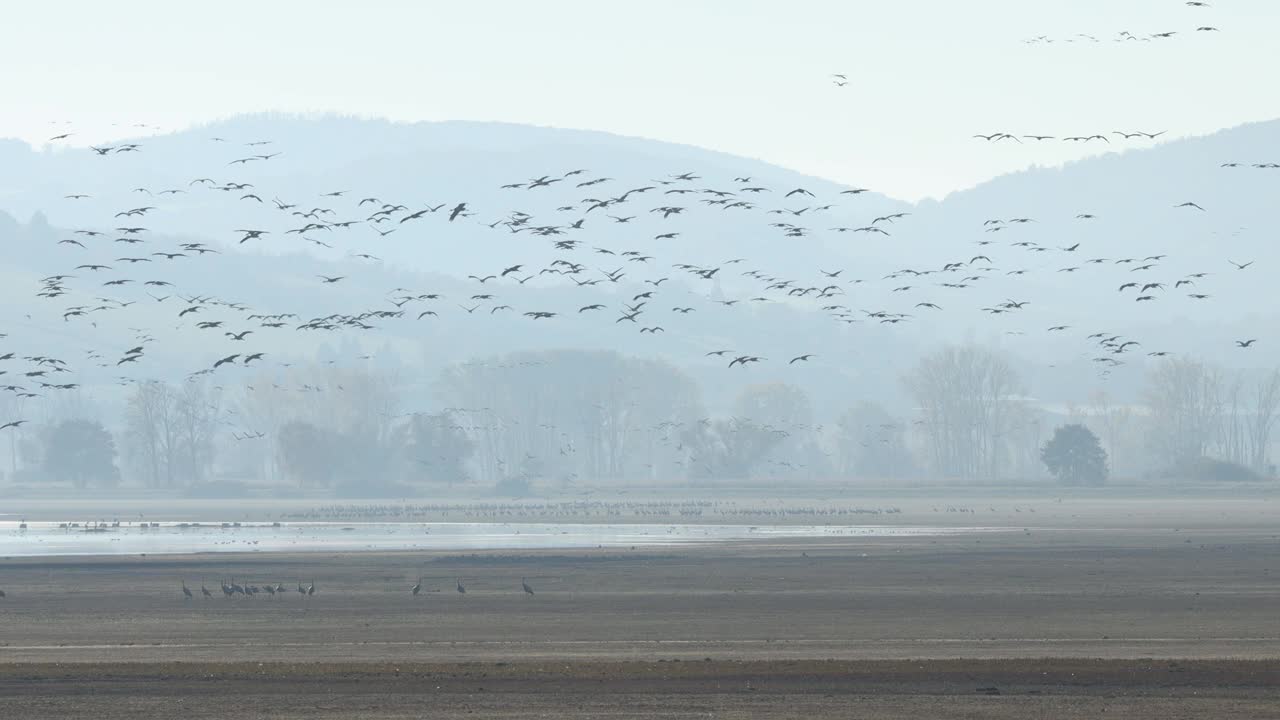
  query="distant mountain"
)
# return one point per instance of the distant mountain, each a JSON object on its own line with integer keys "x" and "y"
{"x": 416, "y": 165}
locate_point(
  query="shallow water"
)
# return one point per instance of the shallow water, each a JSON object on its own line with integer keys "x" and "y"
{"x": 52, "y": 538}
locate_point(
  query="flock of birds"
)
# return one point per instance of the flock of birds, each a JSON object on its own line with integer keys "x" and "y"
{"x": 232, "y": 588}
{"x": 114, "y": 266}
{"x": 1125, "y": 36}
{"x": 1085, "y": 139}
{"x": 95, "y": 263}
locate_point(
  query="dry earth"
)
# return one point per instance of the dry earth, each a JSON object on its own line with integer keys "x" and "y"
{"x": 1149, "y": 621}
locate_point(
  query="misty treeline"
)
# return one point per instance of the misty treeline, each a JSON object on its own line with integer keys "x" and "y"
{"x": 1192, "y": 421}
{"x": 552, "y": 421}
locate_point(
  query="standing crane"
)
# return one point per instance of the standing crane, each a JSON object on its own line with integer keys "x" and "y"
{"x": 525, "y": 585}
{"x": 461, "y": 590}
{"x": 417, "y": 588}
{"x": 205, "y": 591}
{"x": 311, "y": 589}
{"x": 186, "y": 591}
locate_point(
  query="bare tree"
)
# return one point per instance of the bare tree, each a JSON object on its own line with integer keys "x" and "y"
{"x": 8, "y": 408}
{"x": 197, "y": 410}
{"x": 570, "y": 413}
{"x": 1232, "y": 438}
{"x": 263, "y": 405}
{"x": 354, "y": 407}
{"x": 965, "y": 394}
{"x": 151, "y": 432}
{"x": 1023, "y": 429}
{"x": 1116, "y": 426}
{"x": 1185, "y": 400}
{"x": 1261, "y": 420}
{"x": 872, "y": 444}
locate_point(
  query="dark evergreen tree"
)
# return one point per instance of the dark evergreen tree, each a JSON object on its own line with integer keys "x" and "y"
{"x": 1075, "y": 456}
{"x": 81, "y": 451}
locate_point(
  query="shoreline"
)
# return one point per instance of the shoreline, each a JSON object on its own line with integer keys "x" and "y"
{"x": 1257, "y": 510}
{"x": 47, "y": 540}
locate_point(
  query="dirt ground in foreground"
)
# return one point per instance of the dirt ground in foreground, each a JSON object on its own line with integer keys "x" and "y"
{"x": 859, "y": 627}
{"x": 719, "y": 689}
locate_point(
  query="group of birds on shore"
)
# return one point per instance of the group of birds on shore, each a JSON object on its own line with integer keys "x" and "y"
{"x": 232, "y": 589}
{"x": 649, "y": 511}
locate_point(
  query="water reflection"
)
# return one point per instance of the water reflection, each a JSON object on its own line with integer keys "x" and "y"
{"x": 68, "y": 538}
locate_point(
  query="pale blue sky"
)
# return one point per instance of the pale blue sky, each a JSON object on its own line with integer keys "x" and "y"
{"x": 743, "y": 76}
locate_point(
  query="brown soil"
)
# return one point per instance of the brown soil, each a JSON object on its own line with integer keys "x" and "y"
{"x": 1059, "y": 623}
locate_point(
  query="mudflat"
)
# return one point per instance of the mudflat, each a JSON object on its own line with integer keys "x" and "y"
{"x": 1038, "y": 622}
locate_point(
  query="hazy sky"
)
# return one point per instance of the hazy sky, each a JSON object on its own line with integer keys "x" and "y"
{"x": 750, "y": 77}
